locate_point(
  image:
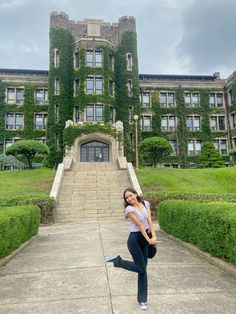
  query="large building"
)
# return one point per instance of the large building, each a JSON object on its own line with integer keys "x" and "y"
{"x": 93, "y": 77}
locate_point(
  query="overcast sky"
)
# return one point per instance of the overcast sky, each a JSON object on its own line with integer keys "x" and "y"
{"x": 174, "y": 36}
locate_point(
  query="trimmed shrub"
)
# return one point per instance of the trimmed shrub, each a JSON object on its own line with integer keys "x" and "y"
{"x": 17, "y": 225}
{"x": 210, "y": 226}
{"x": 45, "y": 203}
{"x": 155, "y": 198}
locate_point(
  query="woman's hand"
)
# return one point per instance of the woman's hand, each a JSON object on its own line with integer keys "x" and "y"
{"x": 152, "y": 241}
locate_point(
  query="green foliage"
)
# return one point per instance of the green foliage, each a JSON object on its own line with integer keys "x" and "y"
{"x": 17, "y": 224}
{"x": 181, "y": 127}
{"x": 26, "y": 182}
{"x": 62, "y": 40}
{"x": 153, "y": 148}
{"x": 210, "y": 157}
{"x": 27, "y": 149}
{"x": 210, "y": 226}
{"x": 203, "y": 181}
{"x": 28, "y": 110}
{"x": 123, "y": 102}
{"x": 72, "y": 132}
{"x": 45, "y": 203}
{"x": 2, "y": 115}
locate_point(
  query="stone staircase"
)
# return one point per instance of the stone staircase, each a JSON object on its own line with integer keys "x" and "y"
{"x": 92, "y": 191}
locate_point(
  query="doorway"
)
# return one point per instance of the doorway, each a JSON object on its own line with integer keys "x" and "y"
{"x": 94, "y": 151}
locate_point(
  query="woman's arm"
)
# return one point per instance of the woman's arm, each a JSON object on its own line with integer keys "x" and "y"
{"x": 154, "y": 238}
{"x": 134, "y": 218}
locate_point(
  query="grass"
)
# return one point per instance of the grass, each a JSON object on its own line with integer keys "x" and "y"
{"x": 26, "y": 182}
{"x": 221, "y": 180}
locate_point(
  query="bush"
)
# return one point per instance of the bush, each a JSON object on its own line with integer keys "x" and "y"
{"x": 45, "y": 203}
{"x": 17, "y": 224}
{"x": 210, "y": 226}
{"x": 155, "y": 198}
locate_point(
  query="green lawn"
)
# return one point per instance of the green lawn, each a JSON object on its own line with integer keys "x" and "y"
{"x": 221, "y": 180}
{"x": 26, "y": 182}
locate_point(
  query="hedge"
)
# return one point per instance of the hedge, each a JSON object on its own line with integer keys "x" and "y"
{"x": 45, "y": 203}
{"x": 17, "y": 225}
{"x": 155, "y": 198}
{"x": 209, "y": 226}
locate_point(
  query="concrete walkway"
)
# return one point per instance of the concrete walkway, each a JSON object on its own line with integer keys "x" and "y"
{"x": 63, "y": 271}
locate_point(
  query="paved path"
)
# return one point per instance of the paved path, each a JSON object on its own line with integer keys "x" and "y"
{"x": 63, "y": 271}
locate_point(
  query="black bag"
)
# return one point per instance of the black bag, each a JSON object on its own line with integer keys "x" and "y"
{"x": 152, "y": 248}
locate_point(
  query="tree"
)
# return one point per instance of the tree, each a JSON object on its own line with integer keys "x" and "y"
{"x": 154, "y": 148}
{"x": 27, "y": 149}
{"x": 210, "y": 157}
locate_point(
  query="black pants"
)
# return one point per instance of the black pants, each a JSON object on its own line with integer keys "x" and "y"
{"x": 138, "y": 247}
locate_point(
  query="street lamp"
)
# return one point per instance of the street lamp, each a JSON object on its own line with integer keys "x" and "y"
{"x": 136, "y": 140}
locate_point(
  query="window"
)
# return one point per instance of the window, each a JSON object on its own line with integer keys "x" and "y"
{"x": 168, "y": 123}
{"x": 129, "y": 61}
{"x": 221, "y": 146}
{"x": 98, "y": 59}
{"x": 144, "y": 99}
{"x": 112, "y": 114}
{"x": 167, "y": 99}
{"x": 41, "y": 96}
{"x": 76, "y": 60}
{"x": 15, "y": 95}
{"x": 193, "y": 123}
{"x": 217, "y": 123}
{"x": 40, "y": 121}
{"x": 76, "y": 87}
{"x": 111, "y": 62}
{"x": 94, "y": 58}
{"x": 9, "y": 141}
{"x": 174, "y": 146}
{"x": 14, "y": 121}
{"x": 76, "y": 114}
{"x": 94, "y": 85}
{"x": 233, "y": 121}
{"x": 111, "y": 88}
{"x": 194, "y": 147}
{"x": 19, "y": 95}
{"x": 56, "y": 58}
{"x": 146, "y": 123}
{"x": 130, "y": 114}
{"x": 41, "y": 140}
{"x": 57, "y": 86}
{"x": 129, "y": 86}
{"x": 191, "y": 100}
{"x": 56, "y": 113}
{"x": 216, "y": 100}
{"x": 94, "y": 113}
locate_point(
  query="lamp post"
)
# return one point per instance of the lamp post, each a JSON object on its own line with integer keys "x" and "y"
{"x": 136, "y": 140}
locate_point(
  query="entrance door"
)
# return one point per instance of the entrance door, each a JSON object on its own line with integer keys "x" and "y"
{"x": 94, "y": 151}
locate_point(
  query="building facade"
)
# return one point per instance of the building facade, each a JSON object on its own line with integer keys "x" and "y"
{"x": 93, "y": 78}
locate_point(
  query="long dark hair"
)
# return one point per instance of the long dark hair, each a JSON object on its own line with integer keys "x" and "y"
{"x": 139, "y": 198}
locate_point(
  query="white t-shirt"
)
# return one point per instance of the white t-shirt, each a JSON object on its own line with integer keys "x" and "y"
{"x": 142, "y": 216}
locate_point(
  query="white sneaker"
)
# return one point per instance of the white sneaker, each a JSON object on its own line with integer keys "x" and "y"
{"x": 111, "y": 259}
{"x": 143, "y": 305}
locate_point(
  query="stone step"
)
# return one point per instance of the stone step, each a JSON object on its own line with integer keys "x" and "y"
{"x": 92, "y": 191}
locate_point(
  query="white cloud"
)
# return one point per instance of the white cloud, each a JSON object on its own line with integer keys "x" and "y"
{"x": 174, "y": 36}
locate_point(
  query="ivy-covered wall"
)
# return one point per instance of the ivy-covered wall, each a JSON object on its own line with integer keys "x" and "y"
{"x": 182, "y": 135}
{"x": 62, "y": 40}
{"x": 28, "y": 109}
{"x": 124, "y": 102}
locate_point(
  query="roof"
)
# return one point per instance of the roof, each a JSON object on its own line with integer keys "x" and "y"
{"x": 173, "y": 77}
{"x": 23, "y": 72}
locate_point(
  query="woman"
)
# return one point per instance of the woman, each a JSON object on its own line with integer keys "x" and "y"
{"x": 141, "y": 234}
